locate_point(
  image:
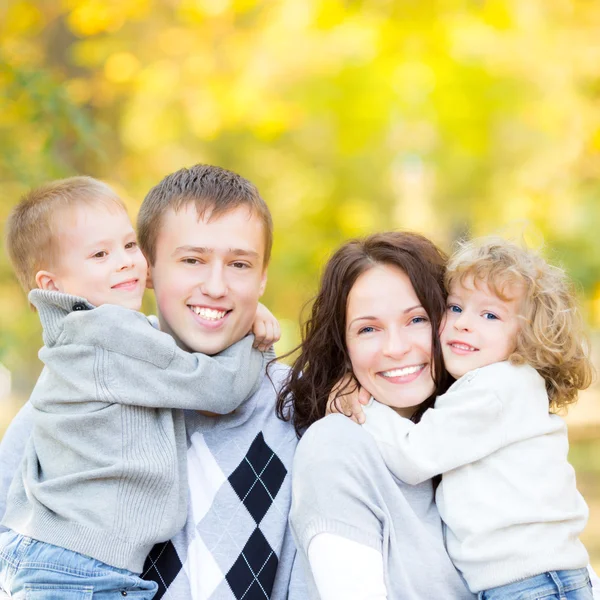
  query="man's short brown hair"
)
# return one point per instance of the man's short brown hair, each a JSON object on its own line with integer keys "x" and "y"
{"x": 31, "y": 231}
{"x": 211, "y": 189}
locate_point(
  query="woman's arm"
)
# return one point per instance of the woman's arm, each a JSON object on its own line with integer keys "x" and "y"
{"x": 343, "y": 568}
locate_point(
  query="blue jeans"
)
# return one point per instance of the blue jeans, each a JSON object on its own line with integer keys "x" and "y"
{"x": 554, "y": 585}
{"x": 32, "y": 570}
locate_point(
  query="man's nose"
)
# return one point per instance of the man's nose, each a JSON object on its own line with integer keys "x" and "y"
{"x": 214, "y": 284}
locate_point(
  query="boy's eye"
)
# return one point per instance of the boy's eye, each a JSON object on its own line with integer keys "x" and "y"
{"x": 190, "y": 261}
{"x": 490, "y": 316}
{"x": 454, "y": 309}
{"x": 130, "y": 245}
{"x": 101, "y": 254}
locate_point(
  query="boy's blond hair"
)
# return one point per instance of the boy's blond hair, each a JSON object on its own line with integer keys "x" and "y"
{"x": 30, "y": 229}
{"x": 551, "y": 335}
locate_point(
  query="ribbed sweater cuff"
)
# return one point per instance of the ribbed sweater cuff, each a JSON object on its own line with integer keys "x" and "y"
{"x": 103, "y": 545}
{"x": 351, "y": 532}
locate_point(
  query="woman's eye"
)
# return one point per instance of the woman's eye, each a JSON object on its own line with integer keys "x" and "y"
{"x": 101, "y": 254}
{"x": 416, "y": 320}
{"x": 490, "y": 316}
{"x": 130, "y": 245}
{"x": 367, "y": 329}
{"x": 455, "y": 309}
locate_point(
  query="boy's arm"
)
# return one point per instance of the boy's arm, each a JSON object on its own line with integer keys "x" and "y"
{"x": 12, "y": 449}
{"x": 463, "y": 428}
{"x": 138, "y": 365}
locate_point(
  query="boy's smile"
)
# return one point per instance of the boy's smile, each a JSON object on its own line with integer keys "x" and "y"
{"x": 480, "y": 327}
{"x": 208, "y": 276}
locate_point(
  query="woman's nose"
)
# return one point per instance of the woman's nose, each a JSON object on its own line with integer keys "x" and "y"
{"x": 396, "y": 344}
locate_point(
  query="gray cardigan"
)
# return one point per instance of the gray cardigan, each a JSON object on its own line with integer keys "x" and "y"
{"x": 104, "y": 471}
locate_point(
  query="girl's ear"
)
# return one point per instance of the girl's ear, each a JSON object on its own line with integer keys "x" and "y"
{"x": 46, "y": 281}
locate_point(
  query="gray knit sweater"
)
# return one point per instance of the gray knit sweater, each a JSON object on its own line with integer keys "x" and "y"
{"x": 104, "y": 471}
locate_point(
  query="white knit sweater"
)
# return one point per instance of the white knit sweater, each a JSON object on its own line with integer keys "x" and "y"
{"x": 508, "y": 496}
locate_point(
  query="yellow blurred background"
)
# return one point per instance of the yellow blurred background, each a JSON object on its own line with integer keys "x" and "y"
{"x": 445, "y": 117}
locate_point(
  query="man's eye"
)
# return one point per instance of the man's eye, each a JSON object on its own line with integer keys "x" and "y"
{"x": 190, "y": 261}
{"x": 241, "y": 265}
{"x": 455, "y": 309}
{"x": 101, "y": 254}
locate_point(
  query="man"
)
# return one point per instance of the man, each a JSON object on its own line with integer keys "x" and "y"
{"x": 207, "y": 236}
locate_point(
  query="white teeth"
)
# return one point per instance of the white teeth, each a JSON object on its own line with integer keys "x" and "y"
{"x": 463, "y": 347}
{"x": 402, "y": 372}
{"x": 208, "y": 313}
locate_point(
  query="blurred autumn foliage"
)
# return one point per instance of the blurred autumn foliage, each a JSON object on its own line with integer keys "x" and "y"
{"x": 351, "y": 116}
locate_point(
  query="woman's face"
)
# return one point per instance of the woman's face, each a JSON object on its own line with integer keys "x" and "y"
{"x": 388, "y": 336}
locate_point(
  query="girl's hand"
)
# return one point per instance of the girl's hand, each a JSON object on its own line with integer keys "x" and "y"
{"x": 348, "y": 398}
{"x": 265, "y": 329}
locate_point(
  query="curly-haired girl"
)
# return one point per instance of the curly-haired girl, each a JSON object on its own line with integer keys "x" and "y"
{"x": 512, "y": 338}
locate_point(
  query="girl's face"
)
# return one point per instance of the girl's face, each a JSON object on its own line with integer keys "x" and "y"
{"x": 388, "y": 336}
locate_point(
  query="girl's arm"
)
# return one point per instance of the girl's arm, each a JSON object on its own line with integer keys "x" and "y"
{"x": 464, "y": 427}
{"x": 343, "y": 568}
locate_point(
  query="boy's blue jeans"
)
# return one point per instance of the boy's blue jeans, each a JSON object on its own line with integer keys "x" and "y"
{"x": 554, "y": 585}
{"x": 32, "y": 570}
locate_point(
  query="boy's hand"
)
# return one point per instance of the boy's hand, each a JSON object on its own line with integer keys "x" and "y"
{"x": 265, "y": 329}
{"x": 348, "y": 398}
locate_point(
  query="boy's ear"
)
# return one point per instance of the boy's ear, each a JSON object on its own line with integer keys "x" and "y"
{"x": 263, "y": 283}
{"x": 46, "y": 281}
{"x": 149, "y": 285}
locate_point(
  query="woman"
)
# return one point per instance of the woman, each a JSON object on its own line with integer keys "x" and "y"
{"x": 364, "y": 533}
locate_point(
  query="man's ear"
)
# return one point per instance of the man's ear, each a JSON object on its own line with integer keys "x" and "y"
{"x": 263, "y": 283}
{"x": 149, "y": 285}
{"x": 46, "y": 281}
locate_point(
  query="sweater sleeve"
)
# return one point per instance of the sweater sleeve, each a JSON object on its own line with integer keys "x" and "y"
{"x": 464, "y": 427}
{"x": 217, "y": 384}
{"x": 138, "y": 365}
{"x": 12, "y": 449}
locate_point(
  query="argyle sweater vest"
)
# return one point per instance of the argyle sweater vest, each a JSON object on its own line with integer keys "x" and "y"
{"x": 236, "y": 542}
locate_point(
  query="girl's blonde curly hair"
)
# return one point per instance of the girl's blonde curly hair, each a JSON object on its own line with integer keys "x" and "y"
{"x": 551, "y": 337}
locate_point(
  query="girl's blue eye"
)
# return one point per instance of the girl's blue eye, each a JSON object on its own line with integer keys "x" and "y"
{"x": 455, "y": 309}
{"x": 490, "y": 316}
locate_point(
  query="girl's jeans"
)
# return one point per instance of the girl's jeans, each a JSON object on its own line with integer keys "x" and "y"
{"x": 32, "y": 570}
{"x": 554, "y": 585}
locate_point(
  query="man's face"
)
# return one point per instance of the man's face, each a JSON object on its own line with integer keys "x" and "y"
{"x": 208, "y": 277}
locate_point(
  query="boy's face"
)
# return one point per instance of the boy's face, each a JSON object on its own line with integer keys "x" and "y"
{"x": 208, "y": 277}
{"x": 480, "y": 328}
{"x": 97, "y": 256}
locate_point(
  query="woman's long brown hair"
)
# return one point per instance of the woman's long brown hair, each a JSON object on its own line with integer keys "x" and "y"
{"x": 323, "y": 358}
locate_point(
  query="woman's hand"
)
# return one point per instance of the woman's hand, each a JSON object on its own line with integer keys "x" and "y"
{"x": 265, "y": 328}
{"x": 348, "y": 397}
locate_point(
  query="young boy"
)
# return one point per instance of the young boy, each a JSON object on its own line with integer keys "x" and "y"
{"x": 104, "y": 475}
{"x": 207, "y": 235}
